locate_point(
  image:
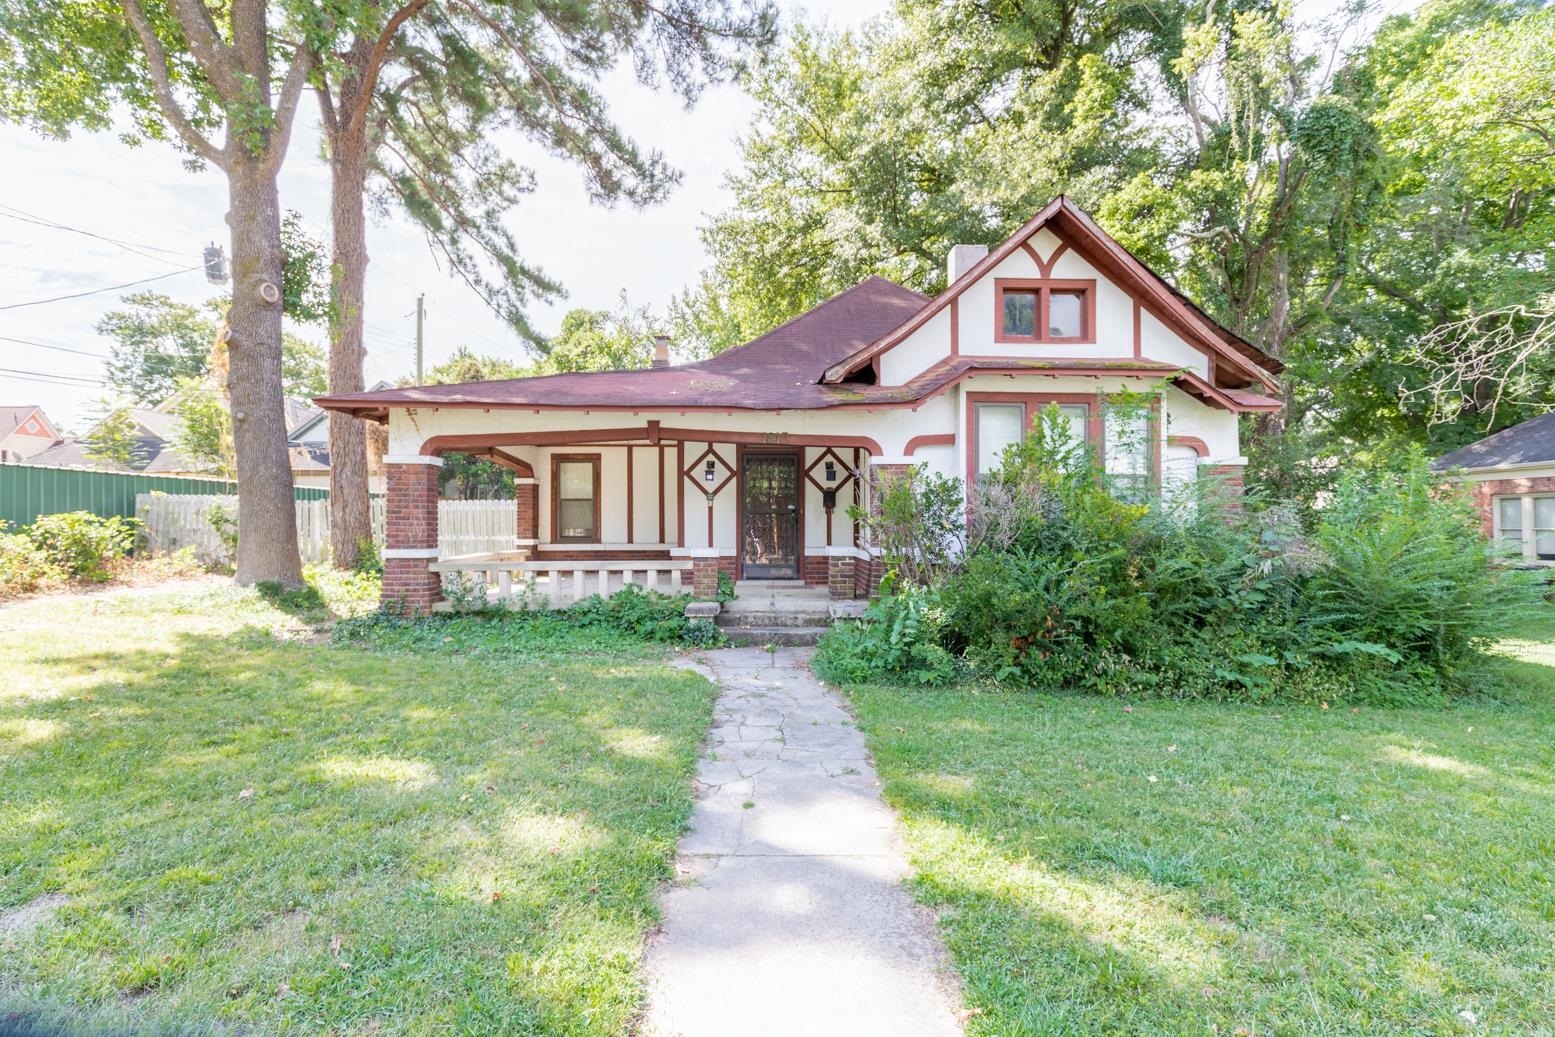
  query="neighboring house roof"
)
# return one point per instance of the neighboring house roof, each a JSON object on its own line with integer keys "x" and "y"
{"x": 309, "y": 457}
{"x": 1532, "y": 442}
{"x": 26, "y": 419}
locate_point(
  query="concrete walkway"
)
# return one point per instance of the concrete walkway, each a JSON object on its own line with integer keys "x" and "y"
{"x": 790, "y": 917}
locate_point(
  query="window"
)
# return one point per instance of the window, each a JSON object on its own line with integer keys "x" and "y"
{"x": 1509, "y": 523}
{"x": 1045, "y": 311}
{"x": 1063, "y": 314}
{"x": 1544, "y": 528}
{"x": 1020, "y": 314}
{"x": 575, "y": 487}
{"x": 999, "y": 426}
{"x": 1128, "y": 451}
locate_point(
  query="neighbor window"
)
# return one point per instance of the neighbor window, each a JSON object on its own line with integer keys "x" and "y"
{"x": 1509, "y": 522}
{"x": 1127, "y": 450}
{"x": 1544, "y": 527}
{"x": 575, "y": 481}
{"x": 999, "y": 426}
{"x": 1045, "y": 311}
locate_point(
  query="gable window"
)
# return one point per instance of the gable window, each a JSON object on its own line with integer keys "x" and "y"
{"x": 1045, "y": 310}
{"x": 575, "y": 490}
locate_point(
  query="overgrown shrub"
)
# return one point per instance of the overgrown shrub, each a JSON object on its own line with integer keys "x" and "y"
{"x": 24, "y": 568}
{"x": 1386, "y": 596}
{"x": 632, "y": 610}
{"x": 83, "y": 545}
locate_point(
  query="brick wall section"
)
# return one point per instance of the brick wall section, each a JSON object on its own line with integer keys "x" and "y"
{"x": 1228, "y": 479}
{"x": 527, "y": 497}
{"x": 411, "y": 522}
{"x": 704, "y": 577}
{"x": 839, "y": 571}
{"x": 815, "y": 571}
{"x": 1484, "y": 494}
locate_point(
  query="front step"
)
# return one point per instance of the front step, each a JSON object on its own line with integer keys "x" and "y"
{"x": 732, "y": 619}
{"x": 787, "y": 637}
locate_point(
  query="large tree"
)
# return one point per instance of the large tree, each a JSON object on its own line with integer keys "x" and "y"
{"x": 410, "y": 104}
{"x": 223, "y": 82}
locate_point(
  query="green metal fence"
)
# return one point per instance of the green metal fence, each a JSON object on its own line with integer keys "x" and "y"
{"x": 27, "y": 492}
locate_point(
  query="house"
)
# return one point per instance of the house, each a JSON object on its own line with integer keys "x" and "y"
{"x": 155, "y": 450}
{"x": 1512, "y": 474}
{"x": 25, "y": 431}
{"x": 746, "y": 463}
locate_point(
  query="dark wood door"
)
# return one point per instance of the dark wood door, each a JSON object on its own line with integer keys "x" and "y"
{"x": 770, "y": 504}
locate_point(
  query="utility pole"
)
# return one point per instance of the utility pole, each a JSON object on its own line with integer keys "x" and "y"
{"x": 421, "y": 310}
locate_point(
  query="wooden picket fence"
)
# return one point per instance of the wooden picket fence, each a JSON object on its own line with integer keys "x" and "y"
{"x": 174, "y": 521}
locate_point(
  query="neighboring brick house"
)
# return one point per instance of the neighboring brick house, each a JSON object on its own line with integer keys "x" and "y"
{"x": 748, "y": 462}
{"x": 24, "y": 432}
{"x": 1512, "y": 474}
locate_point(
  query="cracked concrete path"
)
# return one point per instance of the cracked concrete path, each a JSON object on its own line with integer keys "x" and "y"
{"x": 789, "y": 916}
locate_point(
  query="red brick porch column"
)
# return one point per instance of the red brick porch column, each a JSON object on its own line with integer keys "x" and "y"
{"x": 526, "y": 493}
{"x": 840, "y": 573}
{"x": 410, "y": 533}
{"x": 704, "y": 573}
{"x": 1227, "y": 479}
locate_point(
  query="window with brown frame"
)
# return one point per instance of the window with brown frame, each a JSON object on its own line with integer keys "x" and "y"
{"x": 575, "y": 498}
{"x": 1044, "y": 310}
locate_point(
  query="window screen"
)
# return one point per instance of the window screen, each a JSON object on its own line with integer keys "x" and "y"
{"x": 575, "y": 500}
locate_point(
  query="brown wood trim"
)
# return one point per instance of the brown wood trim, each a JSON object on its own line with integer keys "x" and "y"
{"x": 1044, "y": 287}
{"x": 630, "y": 450}
{"x": 942, "y": 439}
{"x": 1138, "y": 337}
{"x": 680, "y": 495}
{"x": 742, "y": 451}
{"x": 955, "y": 328}
{"x": 1198, "y": 445}
{"x": 437, "y": 445}
{"x": 556, "y": 463}
{"x": 660, "y": 491}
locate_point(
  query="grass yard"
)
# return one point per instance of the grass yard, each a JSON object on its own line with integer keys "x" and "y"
{"x": 1161, "y": 867}
{"x": 254, "y": 831}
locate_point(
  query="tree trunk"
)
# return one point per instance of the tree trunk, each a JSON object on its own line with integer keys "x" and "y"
{"x": 350, "y": 521}
{"x": 267, "y": 518}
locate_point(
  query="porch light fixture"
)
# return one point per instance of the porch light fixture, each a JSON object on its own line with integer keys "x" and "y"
{"x": 831, "y": 471}
{"x": 710, "y": 472}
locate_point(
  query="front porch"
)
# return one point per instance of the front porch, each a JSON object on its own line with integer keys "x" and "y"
{"x": 668, "y": 510}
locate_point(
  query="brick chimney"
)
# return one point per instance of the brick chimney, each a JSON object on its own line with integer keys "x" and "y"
{"x": 961, "y": 259}
{"x": 661, "y": 351}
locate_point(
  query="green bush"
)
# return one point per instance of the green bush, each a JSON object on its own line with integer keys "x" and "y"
{"x": 24, "y": 568}
{"x": 647, "y": 615}
{"x": 83, "y": 545}
{"x": 1390, "y": 598}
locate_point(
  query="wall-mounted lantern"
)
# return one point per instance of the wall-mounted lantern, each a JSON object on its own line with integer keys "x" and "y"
{"x": 829, "y": 493}
{"x": 711, "y": 472}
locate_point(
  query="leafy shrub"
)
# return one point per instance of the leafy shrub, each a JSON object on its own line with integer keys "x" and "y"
{"x": 900, "y": 637}
{"x": 24, "y": 568}
{"x": 648, "y": 615}
{"x": 1388, "y": 595}
{"x": 83, "y": 545}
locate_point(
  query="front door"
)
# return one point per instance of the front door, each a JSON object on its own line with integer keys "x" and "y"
{"x": 770, "y": 503}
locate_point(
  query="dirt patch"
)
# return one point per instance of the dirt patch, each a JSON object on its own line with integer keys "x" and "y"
{"x": 28, "y": 916}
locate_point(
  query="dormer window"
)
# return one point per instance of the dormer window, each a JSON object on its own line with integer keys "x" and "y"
{"x": 1045, "y": 310}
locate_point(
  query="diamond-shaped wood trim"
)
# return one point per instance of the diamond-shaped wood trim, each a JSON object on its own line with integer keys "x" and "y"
{"x": 809, "y": 473}
{"x": 695, "y": 466}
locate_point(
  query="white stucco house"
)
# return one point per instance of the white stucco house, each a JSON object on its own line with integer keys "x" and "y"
{"x": 747, "y": 462}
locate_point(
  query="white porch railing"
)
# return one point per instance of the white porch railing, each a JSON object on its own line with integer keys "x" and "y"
{"x": 508, "y": 579}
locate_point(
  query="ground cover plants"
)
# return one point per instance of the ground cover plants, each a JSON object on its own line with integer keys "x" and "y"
{"x": 1064, "y": 580}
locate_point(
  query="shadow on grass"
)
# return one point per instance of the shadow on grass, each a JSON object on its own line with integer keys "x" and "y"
{"x": 282, "y": 835}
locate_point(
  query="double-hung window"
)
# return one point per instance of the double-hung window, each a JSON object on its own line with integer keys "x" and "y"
{"x": 575, "y": 484}
{"x": 1128, "y": 452}
{"x": 1003, "y": 425}
{"x": 1525, "y": 526}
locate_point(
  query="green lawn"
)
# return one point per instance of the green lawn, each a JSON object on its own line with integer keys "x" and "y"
{"x": 258, "y": 832}
{"x": 1163, "y": 867}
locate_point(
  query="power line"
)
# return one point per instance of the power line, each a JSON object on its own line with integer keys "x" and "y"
{"x": 98, "y": 291}
{"x": 24, "y": 216}
{"x": 50, "y": 374}
{"x": 66, "y": 349}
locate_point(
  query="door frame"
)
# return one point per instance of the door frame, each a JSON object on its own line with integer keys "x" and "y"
{"x": 743, "y": 451}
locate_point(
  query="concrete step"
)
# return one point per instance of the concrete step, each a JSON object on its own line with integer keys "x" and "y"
{"x": 754, "y": 620}
{"x": 785, "y": 636}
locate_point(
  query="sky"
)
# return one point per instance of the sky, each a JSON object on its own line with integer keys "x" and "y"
{"x": 163, "y": 215}
{"x": 145, "y": 199}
